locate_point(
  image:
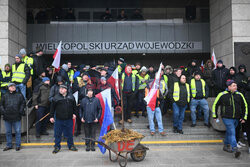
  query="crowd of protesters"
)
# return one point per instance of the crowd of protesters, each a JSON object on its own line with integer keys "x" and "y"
{"x": 180, "y": 88}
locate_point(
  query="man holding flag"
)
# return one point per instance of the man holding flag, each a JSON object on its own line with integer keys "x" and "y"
{"x": 154, "y": 94}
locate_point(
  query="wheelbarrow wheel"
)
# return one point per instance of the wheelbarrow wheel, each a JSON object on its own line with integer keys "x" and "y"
{"x": 138, "y": 155}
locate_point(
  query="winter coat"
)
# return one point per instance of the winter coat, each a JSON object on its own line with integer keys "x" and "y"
{"x": 39, "y": 65}
{"x": 232, "y": 105}
{"x": 241, "y": 79}
{"x": 219, "y": 77}
{"x": 64, "y": 76}
{"x": 41, "y": 95}
{"x": 207, "y": 73}
{"x": 191, "y": 70}
{"x": 12, "y": 106}
{"x": 90, "y": 109}
{"x": 63, "y": 107}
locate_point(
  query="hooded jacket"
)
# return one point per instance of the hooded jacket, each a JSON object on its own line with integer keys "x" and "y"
{"x": 207, "y": 73}
{"x": 241, "y": 79}
{"x": 191, "y": 69}
{"x": 232, "y": 77}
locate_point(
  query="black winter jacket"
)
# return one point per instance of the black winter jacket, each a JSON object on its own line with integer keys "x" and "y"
{"x": 90, "y": 109}
{"x": 64, "y": 76}
{"x": 63, "y": 107}
{"x": 12, "y": 106}
{"x": 232, "y": 105}
{"x": 219, "y": 77}
{"x": 241, "y": 80}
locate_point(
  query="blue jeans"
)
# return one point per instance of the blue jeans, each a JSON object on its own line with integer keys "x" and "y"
{"x": 41, "y": 126}
{"x": 21, "y": 88}
{"x": 157, "y": 114}
{"x": 65, "y": 127}
{"x": 203, "y": 105}
{"x": 178, "y": 115}
{"x": 230, "y": 137}
{"x": 8, "y": 130}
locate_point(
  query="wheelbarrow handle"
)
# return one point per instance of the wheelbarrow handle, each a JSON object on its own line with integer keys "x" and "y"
{"x": 99, "y": 142}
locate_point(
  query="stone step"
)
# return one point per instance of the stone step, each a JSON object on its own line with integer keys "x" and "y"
{"x": 200, "y": 132}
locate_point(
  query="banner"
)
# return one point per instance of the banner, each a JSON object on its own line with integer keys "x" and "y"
{"x": 89, "y": 47}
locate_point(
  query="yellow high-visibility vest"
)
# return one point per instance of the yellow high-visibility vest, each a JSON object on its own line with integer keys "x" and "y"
{"x": 29, "y": 61}
{"x": 193, "y": 87}
{"x": 18, "y": 74}
{"x": 176, "y": 93}
{"x": 142, "y": 84}
{"x": 4, "y": 84}
{"x": 133, "y": 81}
{"x": 71, "y": 75}
{"x": 165, "y": 78}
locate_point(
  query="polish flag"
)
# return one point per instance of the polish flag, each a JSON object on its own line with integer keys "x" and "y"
{"x": 114, "y": 81}
{"x": 103, "y": 97}
{"x": 152, "y": 95}
{"x": 57, "y": 57}
{"x": 202, "y": 66}
{"x": 213, "y": 58}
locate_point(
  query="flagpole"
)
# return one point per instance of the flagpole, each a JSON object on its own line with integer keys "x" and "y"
{"x": 53, "y": 73}
{"x": 123, "y": 129}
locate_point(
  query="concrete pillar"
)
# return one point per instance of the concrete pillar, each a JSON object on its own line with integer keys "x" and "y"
{"x": 229, "y": 23}
{"x": 221, "y": 30}
{"x": 13, "y": 29}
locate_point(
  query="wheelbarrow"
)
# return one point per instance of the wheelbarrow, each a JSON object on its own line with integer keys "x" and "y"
{"x": 121, "y": 150}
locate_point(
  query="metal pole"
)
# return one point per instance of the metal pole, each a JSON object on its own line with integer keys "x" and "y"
{"x": 27, "y": 121}
{"x": 122, "y": 112}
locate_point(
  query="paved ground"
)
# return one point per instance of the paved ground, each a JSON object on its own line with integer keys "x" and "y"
{"x": 193, "y": 155}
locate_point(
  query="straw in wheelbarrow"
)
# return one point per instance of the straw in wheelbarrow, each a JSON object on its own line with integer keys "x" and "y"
{"x": 119, "y": 135}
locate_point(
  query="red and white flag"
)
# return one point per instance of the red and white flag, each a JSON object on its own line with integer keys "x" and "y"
{"x": 114, "y": 81}
{"x": 152, "y": 95}
{"x": 213, "y": 58}
{"x": 57, "y": 56}
{"x": 103, "y": 97}
{"x": 202, "y": 66}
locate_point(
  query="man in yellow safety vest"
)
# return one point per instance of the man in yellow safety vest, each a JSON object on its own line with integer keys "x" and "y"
{"x": 5, "y": 79}
{"x": 129, "y": 86}
{"x": 180, "y": 96}
{"x": 20, "y": 74}
{"x": 199, "y": 92}
{"x": 143, "y": 79}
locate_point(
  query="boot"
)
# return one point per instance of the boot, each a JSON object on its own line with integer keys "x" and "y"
{"x": 93, "y": 146}
{"x": 227, "y": 148}
{"x": 236, "y": 152}
{"x": 87, "y": 147}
